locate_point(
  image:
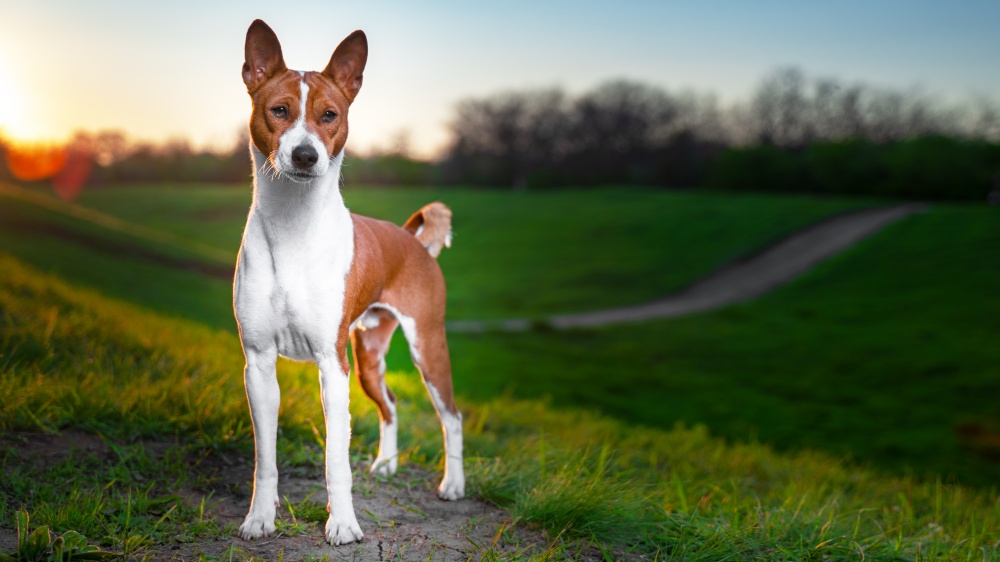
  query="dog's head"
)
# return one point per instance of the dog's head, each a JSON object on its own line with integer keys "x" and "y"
{"x": 299, "y": 119}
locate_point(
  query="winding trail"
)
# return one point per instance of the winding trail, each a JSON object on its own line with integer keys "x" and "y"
{"x": 735, "y": 282}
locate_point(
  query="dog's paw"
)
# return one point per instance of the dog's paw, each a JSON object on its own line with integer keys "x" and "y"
{"x": 452, "y": 489}
{"x": 343, "y": 532}
{"x": 384, "y": 467}
{"x": 256, "y": 526}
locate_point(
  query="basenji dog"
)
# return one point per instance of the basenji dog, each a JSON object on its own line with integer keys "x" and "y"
{"x": 311, "y": 275}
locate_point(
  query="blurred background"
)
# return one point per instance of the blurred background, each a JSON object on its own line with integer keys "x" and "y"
{"x": 897, "y": 98}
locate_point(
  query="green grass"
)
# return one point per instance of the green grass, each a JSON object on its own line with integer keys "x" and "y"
{"x": 74, "y": 359}
{"x": 884, "y": 356}
{"x": 126, "y": 504}
{"x": 548, "y": 252}
{"x": 120, "y": 259}
{"x": 887, "y": 353}
{"x": 531, "y": 253}
{"x": 210, "y": 214}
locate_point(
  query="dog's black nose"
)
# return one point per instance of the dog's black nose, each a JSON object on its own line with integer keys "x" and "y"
{"x": 304, "y": 156}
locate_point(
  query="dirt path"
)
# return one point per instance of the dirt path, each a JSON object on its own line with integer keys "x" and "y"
{"x": 733, "y": 283}
{"x": 402, "y": 519}
{"x": 401, "y": 516}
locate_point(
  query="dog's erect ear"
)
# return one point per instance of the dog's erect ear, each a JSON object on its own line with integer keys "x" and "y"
{"x": 263, "y": 55}
{"x": 347, "y": 65}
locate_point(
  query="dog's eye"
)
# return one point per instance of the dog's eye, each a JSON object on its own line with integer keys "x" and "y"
{"x": 329, "y": 116}
{"x": 279, "y": 111}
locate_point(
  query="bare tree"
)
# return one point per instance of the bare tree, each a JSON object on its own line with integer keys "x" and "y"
{"x": 110, "y": 147}
{"x": 982, "y": 119}
{"x": 780, "y": 110}
{"x": 622, "y": 117}
{"x": 616, "y": 130}
{"x": 506, "y": 137}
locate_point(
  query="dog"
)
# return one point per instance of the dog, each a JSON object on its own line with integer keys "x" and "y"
{"x": 311, "y": 275}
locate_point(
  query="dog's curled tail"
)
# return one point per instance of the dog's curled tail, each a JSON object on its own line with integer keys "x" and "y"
{"x": 432, "y": 227}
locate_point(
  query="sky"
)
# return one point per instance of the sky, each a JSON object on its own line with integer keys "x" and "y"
{"x": 163, "y": 70}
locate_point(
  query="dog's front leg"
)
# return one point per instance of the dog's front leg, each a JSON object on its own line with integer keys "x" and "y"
{"x": 342, "y": 526}
{"x": 264, "y": 396}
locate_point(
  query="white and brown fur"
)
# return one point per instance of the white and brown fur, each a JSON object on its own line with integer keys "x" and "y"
{"x": 311, "y": 276}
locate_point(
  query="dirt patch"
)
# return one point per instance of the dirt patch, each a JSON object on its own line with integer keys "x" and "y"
{"x": 8, "y": 539}
{"x": 400, "y": 522}
{"x": 42, "y": 450}
{"x": 401, "y": 517}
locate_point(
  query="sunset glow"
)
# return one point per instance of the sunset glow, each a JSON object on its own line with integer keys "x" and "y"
{"x": 112, "y": 65}
{"x": 29, "y": 156}
{"x": 14, "y": 121}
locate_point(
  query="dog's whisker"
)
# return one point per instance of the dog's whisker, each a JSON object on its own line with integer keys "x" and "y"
{"x": 271, "y": 168}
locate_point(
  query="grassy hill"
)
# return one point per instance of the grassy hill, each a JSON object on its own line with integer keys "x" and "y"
{"x": 526, "y": 254}
{"x": 886, "y": 354}
{"x": 76, "y": 360}
{"x": 163, "y": 272}
{"x": 882, "y": 355}
{"x": 547, "y": 252}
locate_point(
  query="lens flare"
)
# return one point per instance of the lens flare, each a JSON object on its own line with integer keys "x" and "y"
{"x": 74, "y": 174}
{"x": 67, "y": 166}
{"x": 35, "y": 161}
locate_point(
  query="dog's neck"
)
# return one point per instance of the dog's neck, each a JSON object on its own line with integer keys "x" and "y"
{"x": 280, "y": 199}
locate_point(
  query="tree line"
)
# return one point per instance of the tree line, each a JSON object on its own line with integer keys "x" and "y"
{"x": 795, "y": 133}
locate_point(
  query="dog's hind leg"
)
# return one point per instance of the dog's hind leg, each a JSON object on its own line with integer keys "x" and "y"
{"x": 429, "y": 348}
{"x": 264, "y": 396}
{"x": 370, "y": 341}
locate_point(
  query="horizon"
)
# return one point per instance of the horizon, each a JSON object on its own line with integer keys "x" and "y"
{"x": 156, "y": 74}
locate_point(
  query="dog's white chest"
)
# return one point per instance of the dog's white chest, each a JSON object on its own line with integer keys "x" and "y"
{"x": 290, "y": 284}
